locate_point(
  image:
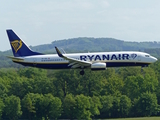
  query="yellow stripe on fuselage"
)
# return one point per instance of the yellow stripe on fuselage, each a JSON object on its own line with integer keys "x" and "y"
{"x": 19, "y": 61}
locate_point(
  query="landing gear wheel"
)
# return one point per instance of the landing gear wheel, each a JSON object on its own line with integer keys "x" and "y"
{"x": 142, "y": 69}
{"x": 82, "y": 72}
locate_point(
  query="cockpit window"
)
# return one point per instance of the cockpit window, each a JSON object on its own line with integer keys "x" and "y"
{"x": 146, "y": 55}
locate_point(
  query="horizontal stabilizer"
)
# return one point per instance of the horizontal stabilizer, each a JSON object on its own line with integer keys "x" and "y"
{"x": 14, "y": 58}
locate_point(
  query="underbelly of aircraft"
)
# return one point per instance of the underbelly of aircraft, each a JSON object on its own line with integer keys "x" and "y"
{"x": 65, "y": 65}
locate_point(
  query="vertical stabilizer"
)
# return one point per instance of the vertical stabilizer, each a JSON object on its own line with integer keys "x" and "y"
{"x": 19, "y": 48}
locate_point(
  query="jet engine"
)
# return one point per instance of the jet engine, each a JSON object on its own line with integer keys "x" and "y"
{"x": 98, "y": 66}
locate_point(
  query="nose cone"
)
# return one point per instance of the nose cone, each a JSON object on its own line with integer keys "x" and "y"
{"x": 154, "y": 59}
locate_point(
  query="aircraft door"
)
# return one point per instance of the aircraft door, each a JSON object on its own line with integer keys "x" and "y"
{"x": 139, "y": 58}
{"x": 34, "y": 61}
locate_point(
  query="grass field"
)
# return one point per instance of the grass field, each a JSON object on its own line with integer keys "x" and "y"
{"x": 143, "y": 118}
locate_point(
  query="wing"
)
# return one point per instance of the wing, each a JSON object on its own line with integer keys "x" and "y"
{"x": 74, "y": 62}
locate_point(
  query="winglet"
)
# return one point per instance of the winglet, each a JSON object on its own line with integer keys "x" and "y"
{"x": 58, "y": 52}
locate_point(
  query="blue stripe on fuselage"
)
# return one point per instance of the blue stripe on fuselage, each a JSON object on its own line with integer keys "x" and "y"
{"x": 65, "y": 65}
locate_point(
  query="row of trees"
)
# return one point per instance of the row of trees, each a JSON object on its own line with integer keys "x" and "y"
{"x": 30, "y": 93}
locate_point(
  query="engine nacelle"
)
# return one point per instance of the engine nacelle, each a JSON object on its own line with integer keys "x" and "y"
{"x": 98, "y": 66}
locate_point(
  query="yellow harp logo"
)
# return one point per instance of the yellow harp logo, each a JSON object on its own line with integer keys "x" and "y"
{"x": 17, "y": 44}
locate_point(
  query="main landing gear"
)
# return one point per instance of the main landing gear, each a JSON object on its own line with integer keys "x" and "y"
{"x": 81, "y": 72}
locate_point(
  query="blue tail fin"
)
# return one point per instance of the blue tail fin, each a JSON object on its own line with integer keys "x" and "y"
{"x": 19, "y": 48}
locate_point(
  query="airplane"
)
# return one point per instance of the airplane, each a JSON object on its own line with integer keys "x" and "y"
{"x": 94, "y": 61}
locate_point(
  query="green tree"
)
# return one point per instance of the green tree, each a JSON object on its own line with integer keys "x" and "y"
{"x": 125, "y": 106}
{"x": 91, "y": 84}
{"x": 34, "y": 81}
{"x": 135, "y": 85}
{"x": 3, "y": 90}
{"x": 95, "y": 106}
{"x": 12, "y": 109}
{"x": 82, "y": 109}
{"x": 43, "y": 85}
{"x": 28, "y": 106}
{"x": 147, "y": 105}
{"x": 17, "y": 88}
{"x": 71, "y": 82}
{"x": 38, "y": 106}
{"x": 107, "y": 103}
{"x": 51, "y": 106}
{"x": 113, "y": 85}
{"x": 124, "y": 72}
{"x": 131, "y": 87}
{"x": 115, "y": 110}
{"x": 69, "y": 107}
{"x": 32, "y": 72}
{"x": 64, "y": 82}
{"x": 1, "y": 107}
{"x": 34, "y": 110}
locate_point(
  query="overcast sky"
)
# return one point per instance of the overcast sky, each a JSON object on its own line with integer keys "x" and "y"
{"x": 43, "y": 21}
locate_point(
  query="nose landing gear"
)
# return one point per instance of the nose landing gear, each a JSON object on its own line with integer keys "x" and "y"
{"x": 81, "y": 72}
{"x": 143, "y": 67}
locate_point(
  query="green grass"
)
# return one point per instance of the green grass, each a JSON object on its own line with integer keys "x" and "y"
{"x": 142, "y": 118}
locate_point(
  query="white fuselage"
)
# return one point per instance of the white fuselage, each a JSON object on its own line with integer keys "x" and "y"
{"x": 112, "y": 59}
